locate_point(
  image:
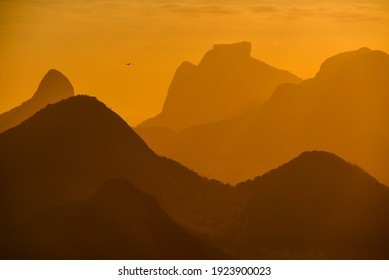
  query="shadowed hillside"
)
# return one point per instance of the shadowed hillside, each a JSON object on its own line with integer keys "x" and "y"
{"x": 66, "y": 150}
{"x": 315, "y": 206}
{"x": 53, "y": 88}
{"x": 116, "y": 222}
{"x": 344, "y": 109}
{"x": 226, "y": 82}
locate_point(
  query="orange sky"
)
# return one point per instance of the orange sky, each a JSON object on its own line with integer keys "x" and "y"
{"x": 90, "y": 42}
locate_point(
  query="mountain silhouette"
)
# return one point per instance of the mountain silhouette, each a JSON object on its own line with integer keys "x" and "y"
{"x": 315, "y": 206}
{"x": 64, "y": 194}
{"x": 116, "y": 222}
{"x": 343, "y": 109}
{"x": 53, "y": 88}
{"x": 68, "y": 149}
{"x": 226, "y": 82}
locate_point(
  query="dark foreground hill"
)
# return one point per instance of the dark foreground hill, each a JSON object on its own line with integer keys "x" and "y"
{"x": 51, "y": 164}
{"x": 65, "y": 151}
{"x": 315, "y": 206}
{"x": 53, "y": 88}
{"x": 116, "y": 222}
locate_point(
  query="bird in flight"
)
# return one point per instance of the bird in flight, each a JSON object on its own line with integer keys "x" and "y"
{"x": 128, "y": 63}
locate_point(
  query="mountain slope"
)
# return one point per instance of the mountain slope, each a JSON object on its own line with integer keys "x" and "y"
{"x": 343, "y": 109}
{"x": 53, "y": 88}
{"x": 116, "y": 222}
{"x": 315, "y": 206}
{"x": 225, "y": 83}
{"x": 65, "y": 151}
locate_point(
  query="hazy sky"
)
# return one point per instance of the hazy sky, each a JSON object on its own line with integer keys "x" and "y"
{"x": 91, "y": 41}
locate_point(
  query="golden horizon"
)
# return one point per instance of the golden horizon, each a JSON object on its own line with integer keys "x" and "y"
{"x": 90, "y": 42}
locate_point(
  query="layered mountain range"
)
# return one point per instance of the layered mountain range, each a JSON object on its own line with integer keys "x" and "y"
{"x": 76, "y": 182}
{"x": 343, "y": 109}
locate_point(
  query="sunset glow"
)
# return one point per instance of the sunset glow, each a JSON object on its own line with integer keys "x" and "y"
{"x": 90, "y": 42}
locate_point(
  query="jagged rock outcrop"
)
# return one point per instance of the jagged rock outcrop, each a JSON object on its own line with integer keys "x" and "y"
{"x": 226, "y": 82}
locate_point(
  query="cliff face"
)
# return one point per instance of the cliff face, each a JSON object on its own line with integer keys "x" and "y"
{"x": 226, "y": 81}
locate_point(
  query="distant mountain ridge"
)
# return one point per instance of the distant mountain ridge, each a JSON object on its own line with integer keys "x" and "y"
{"x": 53, "y": 88}
{"x": 343, "y": 109}
{"x": 226, "y": 81}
